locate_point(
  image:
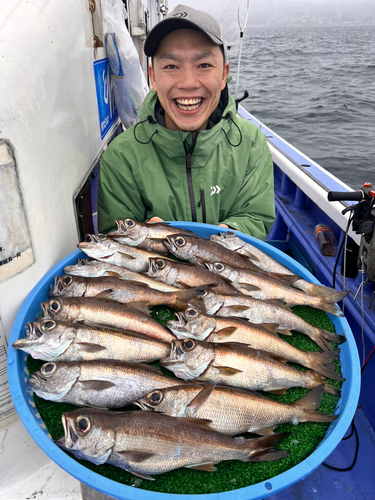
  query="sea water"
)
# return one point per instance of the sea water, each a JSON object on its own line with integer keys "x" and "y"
{"x": 315, "y": 87}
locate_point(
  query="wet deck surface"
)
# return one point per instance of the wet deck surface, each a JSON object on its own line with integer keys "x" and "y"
{"x": 327, "y": 484}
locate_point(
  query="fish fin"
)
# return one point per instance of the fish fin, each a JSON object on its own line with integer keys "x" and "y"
{"x": 205, "y": 467}
{"x": 276, "y": 391}
{"x": 138, "y": 284}
{"x": 204, "y": 423}
{"x": 96, "y": 385}
{"x": 284, "y": 331}
{"x": 227, "y": 370}
{"x": 270, "y": 327}
{"x": 317, "y": 416}
{"x": 113, "y": 274}
{"x": 247, "y": 255}
{"x": 265, "y": 447}
{"x": 188, "y": 294}
{"x": 267, "y": 456}
{"x": 276, "y": 302}
{"x": 136, "y": 456}
{"x": 266, "y": 431}
{"x": 238, "y": 309}
{"x": 248, "y": 287}
{"x": 312, "y": 400}
{"x": 335, "y": 297}
{"x": 201, "y": 397}
{"x": 142, "y": 476}
{"x": 180, "y": 284}
{"x": 88, "y": 347}
{"x": 127, "y": 256}
{"x": 106, "y": 295}
{"x": 141, "y": 306}
{"x": 332, "y": 337}
{"x": 324, "y": 363}
{"x": 224, "y": 333}
{"x": 288, "y": 279}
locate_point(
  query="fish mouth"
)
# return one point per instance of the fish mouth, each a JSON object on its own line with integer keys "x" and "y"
{"x": 143, "y": 406}
{"x": 33, "y": 381}
{"x": 189, "y": 104}
{"x": 70, "y": 437}
{"x": 175, "y": 353}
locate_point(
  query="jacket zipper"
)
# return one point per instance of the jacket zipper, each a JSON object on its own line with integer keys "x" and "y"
{"x": 202, "y": 203}
{"x": 190, "y": 186}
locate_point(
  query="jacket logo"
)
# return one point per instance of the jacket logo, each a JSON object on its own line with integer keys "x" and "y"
{"x": 180, "y": 14}
{"x": 215, "y": 190}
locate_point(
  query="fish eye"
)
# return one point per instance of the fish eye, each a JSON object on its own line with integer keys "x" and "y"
{"x": 83, "y": 424}
{"x": 218, "y": 267}
{"x": 67, "y": 280}
{"x": 48, "y": 369}
{"x": 191, "y": 313}
{"x": 48, "y": 325}
{"x": 189, "y": 344}
{"x": 155, "y": 397}
{"x": 129, "y": 223}
{"x": 180, "y": 241}
{"x": 230, "y": 234}
{"x": 54, "y": 305}
{"x": 101, "y": 236}
{"x": 160, "y": 264}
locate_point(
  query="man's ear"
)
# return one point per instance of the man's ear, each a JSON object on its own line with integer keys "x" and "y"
{"x": 225, "y": 75}
{"x": 152, "y": 77}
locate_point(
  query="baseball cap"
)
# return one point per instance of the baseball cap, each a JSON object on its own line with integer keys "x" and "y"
{"x": 183, "y": 17}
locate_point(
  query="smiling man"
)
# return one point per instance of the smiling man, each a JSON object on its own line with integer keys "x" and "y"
{"x": 190, "y": 158}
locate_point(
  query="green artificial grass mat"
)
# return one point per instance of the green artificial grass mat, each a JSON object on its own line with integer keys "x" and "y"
{"x": 230, "y": 475}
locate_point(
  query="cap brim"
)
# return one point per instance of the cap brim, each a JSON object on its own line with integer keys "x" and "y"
{"x": 166, "y": 26}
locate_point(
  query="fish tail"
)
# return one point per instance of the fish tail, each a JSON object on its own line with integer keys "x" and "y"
{"x": 329, "y": 307}
{"x": 313, "y": 288}
{"x": 266, "y": 448}
{"x": 324, "y": 363}
{"x": 183, "y": 297}
{"x": 318, "y": 379}
{"x": 331, "y": 336}
{"x": 310, "y": 404}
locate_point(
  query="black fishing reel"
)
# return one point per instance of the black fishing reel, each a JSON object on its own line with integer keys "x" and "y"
{"x": 363, "y": 223}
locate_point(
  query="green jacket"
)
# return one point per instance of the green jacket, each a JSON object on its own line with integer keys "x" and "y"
{"x": 225, "y": 177}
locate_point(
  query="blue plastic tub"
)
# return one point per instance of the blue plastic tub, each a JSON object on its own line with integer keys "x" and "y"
{"x": 23, "y": 399}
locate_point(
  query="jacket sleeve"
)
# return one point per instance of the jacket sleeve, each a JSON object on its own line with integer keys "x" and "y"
{"x": 253, "y": 212}
{"x": 119, "y": 196}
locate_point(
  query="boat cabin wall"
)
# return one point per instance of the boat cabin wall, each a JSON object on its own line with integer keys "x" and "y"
{"x": 50, "y": 131}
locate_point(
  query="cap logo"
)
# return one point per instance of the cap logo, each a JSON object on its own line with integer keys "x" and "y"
{"x": 180, "y": 14}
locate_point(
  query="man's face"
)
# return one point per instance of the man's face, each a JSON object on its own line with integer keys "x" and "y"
{"x": 188, "y": 75}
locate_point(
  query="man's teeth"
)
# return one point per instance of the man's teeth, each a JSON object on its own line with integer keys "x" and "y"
{"x": 188, "y": 104}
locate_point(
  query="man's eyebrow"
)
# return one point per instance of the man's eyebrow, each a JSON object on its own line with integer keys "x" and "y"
{"x": 198, "y": 57}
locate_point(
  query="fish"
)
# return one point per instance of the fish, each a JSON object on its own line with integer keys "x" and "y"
{"x": 238, "y": 365}
{"x": 145, "y": 236}
{"x": 103, "y": 384}
{"x": 123, "y": 291}
{"x": 231, "y": 241}
{"x": 92, "y": 268}
{"x": 199, "y": 251}
{"x": 193, "y": 323}
{"x": 270, "y": 288}
{"x": 52, "y": 340}
{"x": 234, "y": 411}
{"x": 183, "y": 275}
{"x": 100, "y": 247}
{"x": 147, "y": 444}
{"x": 106, "y": 313}
{"x": 266, "y": 311}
